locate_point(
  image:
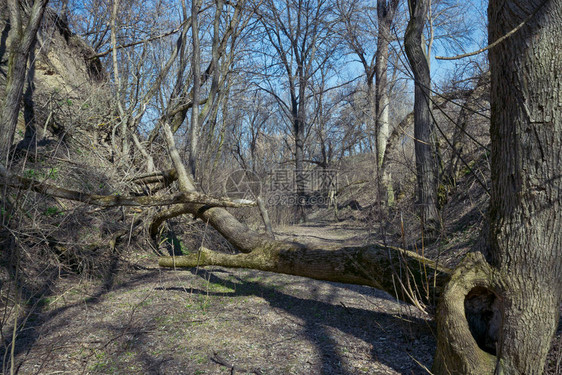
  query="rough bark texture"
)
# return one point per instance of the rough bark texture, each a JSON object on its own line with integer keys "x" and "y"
{"x": 298, "y": 112}
{"x": 21, "y": 39}
{"x": 298, "y": 131}
{"x": 373, "y": 265}
{"x": 265, "y": 216}
{"x": 524, "y": 241}
{"x": 426, "y": 163}
{"x": 385, "y": 16}
{"x": 457, "y": 350}
{"x": 196, "y": 66}
{"x": 525, "y": 212}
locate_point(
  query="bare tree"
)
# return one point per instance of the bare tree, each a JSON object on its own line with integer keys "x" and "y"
{"x": 300, "y": 45}
{"x": 214, "y": 82}
{"x": 196, "y": 67}
{"x": 512, "y": 289}
{"x": 385, "y": 15}
{"x": 374, "y": 56}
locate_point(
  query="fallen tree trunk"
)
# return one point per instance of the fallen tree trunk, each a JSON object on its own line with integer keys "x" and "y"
{"x": 402, "y": 273}
{"x": 405, "y": 274}
{"x": 22, "y": 183}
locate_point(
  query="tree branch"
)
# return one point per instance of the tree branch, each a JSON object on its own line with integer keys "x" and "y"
{"x": 498, "y": 41}
{"x": 42, "y": 187}
{"x": 132, "y": 44}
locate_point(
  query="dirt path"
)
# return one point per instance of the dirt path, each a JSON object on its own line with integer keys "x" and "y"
{"x": 144, "y": 320}
{"x": 324, "y": 232}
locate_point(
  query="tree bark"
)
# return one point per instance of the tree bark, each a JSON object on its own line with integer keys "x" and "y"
{"x": 265, "y": 217}
{"x": 458, "y": 352}
{"x": 21, "y": 40}
{"x": 385, "y": 15}
{"x": 524, "y": 243}
{"x": 196, "y": 67}
{"x": 424, "y": 133}
{"x": 393, "y": 270}
{"x": 526, "y": 133}
{"x": 300, "y": 179}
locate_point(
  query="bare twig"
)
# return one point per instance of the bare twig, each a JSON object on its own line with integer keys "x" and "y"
{"x": 490, "y": 46}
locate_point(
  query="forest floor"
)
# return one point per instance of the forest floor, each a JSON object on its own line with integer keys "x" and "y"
{"x": 141, "y": 319}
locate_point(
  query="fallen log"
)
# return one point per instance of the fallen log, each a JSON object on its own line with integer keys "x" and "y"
{"x": 402, "y": 273}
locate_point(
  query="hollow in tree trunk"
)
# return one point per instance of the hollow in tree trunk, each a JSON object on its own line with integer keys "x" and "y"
{"x": 520, "y": 281}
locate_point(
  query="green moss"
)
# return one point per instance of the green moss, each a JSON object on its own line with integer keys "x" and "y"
{"x": 52, "y": 211}
{"x": 467, "y": 168}
{"x": 442, "y": 193}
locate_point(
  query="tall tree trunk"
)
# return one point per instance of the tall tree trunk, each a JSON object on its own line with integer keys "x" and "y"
{"x": 300, "y": 179}
{"x": 424, "y": 134}
{"x": 385, "y": 16}
{"x": 381, "y": 97}
{"x": 265, "y": 217}
{"x": 524, "y": 243}
{"x": 21, "y": 40}
{"x": 196, "y": 67}
{"x": 526, "y": 132}
{"x": 123, "y": 115}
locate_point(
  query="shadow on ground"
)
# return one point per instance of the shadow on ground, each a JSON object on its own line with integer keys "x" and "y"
{"x": 394, "y": 338}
